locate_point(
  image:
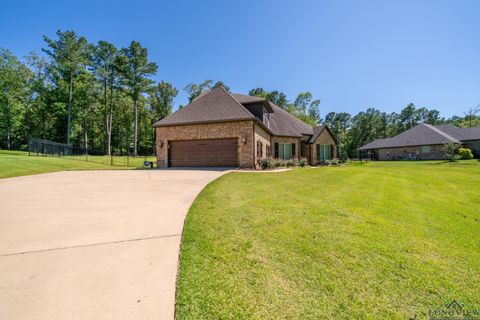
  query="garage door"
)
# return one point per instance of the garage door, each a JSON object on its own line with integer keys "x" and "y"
{"x": 204, "y": 153}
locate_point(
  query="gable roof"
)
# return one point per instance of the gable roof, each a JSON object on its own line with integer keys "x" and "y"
{"x": 216, "y": 105}
{"x": 318, "y": 130}
{"x": 422, "y": 134}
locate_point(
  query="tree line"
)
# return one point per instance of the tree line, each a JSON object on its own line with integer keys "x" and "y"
{"x": 104, "y": 98}
{"x": 353, "y": 131}
{"x": 92, "y": 95}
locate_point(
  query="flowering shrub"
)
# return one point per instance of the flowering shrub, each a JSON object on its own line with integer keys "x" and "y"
{"x": 271, "y": 163}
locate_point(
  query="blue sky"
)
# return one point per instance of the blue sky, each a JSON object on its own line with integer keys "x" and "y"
{"x": 350, "y": 54}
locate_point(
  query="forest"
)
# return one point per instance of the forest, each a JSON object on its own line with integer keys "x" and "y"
{"x": 104, "y": 98}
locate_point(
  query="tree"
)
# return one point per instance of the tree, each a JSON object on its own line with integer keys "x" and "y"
{"x": 136, "y": 69}
{"x": 195, "y": 90}
{"x": 221, "y": 84}
{"x": 408, "y": 117}
{"x": 277, "y": 97}
{"x": 41, "y": 88}
{"x": 305, "y": 109}
{"x": 14, "y": 78}
{"x": 70, "y": 55}
{"x": 429, "y": 116}
{"x": 339, "y": 124}
{"x": 161, "y": 99}
{"x": 470, "y": 115}
{"x": 104, "y": 68}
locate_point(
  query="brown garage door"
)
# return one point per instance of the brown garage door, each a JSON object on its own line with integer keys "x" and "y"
{"x": 204, "y": 153}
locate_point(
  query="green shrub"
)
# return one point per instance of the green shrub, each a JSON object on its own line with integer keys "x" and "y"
{"x": 465, "y": 153}
{"x": 451, "y": 151}
{"x": 303, "y": 162}
{"x": 290, "y": 163}
{"x": 266, "y": 163}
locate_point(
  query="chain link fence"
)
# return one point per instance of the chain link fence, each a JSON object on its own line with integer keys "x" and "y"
{"x": 47, "y": 148}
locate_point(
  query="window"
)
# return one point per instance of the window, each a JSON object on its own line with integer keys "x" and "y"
{"x": 285, "y": 151}
{"x": 259, "y": 149}
{"x": 426, "y": 149}
{"x": 266, "y": 120}
{"x": 323, "y": 152}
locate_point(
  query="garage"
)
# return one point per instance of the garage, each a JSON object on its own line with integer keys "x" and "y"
{"x": 203, "y": 153}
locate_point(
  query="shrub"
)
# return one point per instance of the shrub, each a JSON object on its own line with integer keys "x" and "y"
{"x": 465, "y": 153}
{"x": 280, "y": 163}
{"x": 334, "y": 162}
{"x": 290, "y": 163}
{"x": 451, "y": 151}
{"x": 266, "y": 163}
{"x": 303, "y": 162}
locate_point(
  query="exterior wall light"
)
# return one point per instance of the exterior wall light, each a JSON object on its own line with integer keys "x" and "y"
{"x": 244, "y": 139}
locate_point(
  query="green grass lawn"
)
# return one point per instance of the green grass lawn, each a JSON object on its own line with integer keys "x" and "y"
{"x": 382, "y": 240}
{"x": 18, "y": 163}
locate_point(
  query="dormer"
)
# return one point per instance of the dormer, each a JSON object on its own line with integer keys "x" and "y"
{"x": 261, "y": 110}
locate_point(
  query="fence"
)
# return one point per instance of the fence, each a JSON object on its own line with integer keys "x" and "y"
{"x": 47, "y": 148}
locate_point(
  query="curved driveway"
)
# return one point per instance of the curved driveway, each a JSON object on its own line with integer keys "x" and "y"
{"x": 93, "y": 244}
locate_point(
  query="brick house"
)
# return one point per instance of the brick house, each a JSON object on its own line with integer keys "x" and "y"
{"x": 422, "y": 142}
{"x": 223, "y": 129}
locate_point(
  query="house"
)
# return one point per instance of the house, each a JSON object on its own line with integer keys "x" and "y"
{"x": 223, "y": 129}
{"x": 422, "y": 142}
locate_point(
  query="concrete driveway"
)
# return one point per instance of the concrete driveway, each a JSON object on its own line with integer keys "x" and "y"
{"x": 93, "y": 244}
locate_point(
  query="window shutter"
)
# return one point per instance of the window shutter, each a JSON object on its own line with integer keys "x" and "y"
{"x": 276, "y": 149}
{"x": 332, "y": 148}
{"x": 293, "y": 150}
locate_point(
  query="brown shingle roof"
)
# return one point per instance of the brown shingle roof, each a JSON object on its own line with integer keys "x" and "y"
{"x": 422, "y": 134}
{"x": 283, "y": 123}
{"x": 214, "y": 106}
{"x": 242, "y": 98}
{"x": 219, "y": 105}
{"x": 318, "y": 130}
{"x": 462, "y": 134}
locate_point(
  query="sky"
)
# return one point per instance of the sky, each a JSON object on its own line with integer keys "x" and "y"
{"x": 349, "y": 54}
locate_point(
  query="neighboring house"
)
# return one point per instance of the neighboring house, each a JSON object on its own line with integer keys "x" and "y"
{"x": 422, "y": 142}
{"x": 223, "y": 129}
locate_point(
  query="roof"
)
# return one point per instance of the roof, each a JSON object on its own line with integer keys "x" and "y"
{"x": 283, "y": 123}
{"x": 216, "y": 105}
{"x": 422, "y": 134}
{"x": 243, "y": 98}
{"x": 462, "y": 134}
{"x": 318, "y": 130}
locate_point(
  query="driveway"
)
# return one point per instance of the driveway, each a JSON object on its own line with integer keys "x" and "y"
{"x": 93, "y": 244}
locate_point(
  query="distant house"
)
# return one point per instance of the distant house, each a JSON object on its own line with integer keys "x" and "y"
{"x": 422, "y": 142}
{"x": 220, "y": 128}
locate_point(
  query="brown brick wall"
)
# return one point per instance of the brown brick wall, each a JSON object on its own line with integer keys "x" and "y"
{"x": 264, "y": 137}
{"x": 286, "y": 140}
{"x": 323, "y": 138}
{"x": 236, "y": 129}
{"x": 436, "y": 153}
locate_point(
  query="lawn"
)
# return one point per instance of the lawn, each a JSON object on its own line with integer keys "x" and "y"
{"x": 18, "y": 163}
{"x": 383, "y": 240}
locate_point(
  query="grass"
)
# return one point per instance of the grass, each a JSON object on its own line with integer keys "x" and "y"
{"x": 382, "y": 240}
{"x": 18, "y": 163}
